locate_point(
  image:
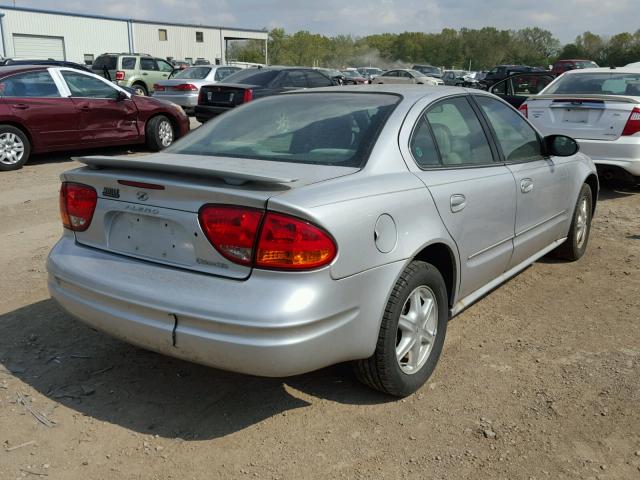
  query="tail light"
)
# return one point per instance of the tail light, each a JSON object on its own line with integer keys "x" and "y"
{"x": 633, "y": 124}
{"x": 119, "y": 75}
{"x": 158, "y": 88}
{"x": 231, "y": 230}
{"x": 288, "y": 243}
{"x": 247, "y": 96}
{"x": 248, "y": 236}
{"x": 524, "y": 110}
{"x": 185, "y": 87}
{"x": 77, "y": 204}
{"x": 201, "y": 96}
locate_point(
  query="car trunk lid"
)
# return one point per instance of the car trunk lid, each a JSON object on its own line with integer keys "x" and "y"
{"x": 589, "y": 117}
{"x": 148, "y": 207}
{"x": 227, "y": 95}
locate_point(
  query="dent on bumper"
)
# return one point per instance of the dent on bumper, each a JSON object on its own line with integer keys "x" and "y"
{"x": 273, "y": 324}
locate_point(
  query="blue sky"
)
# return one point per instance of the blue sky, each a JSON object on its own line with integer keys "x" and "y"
{"x": 565, "y": 18}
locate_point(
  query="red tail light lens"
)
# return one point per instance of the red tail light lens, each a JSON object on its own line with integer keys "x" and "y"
{"x": 285, "y": 243}
{"x": 633, "y": 124}
{"x": 231, "y": 230}
{"x": 247, "y": 96}
{"x": 185, "y": 87}
{"x": 77, "y": 204}
{"x": 524, "y": 110}
{"x": 158, "y": 88}
{"x": 288, "y": 243}
{"x": 119, "y": 75}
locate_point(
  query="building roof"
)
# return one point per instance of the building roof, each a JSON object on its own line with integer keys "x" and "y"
{"x": 122, "y": 19}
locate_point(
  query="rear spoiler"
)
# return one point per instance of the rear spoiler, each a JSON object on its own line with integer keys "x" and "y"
{"x": 234, "y": 171}
{"x": 603, "y": 98}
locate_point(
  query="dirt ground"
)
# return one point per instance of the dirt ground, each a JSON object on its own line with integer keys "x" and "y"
{"x": 539, "y": 380}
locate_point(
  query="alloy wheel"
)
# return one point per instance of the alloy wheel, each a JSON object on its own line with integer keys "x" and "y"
{"x": 417, "y": 329}
{"x": 11, "y": 148}
{"x": 165, "y": 132}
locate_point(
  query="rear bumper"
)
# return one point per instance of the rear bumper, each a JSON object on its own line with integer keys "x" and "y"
{"x": 204, "y": 113}
{"x": 185, "y": 101}
{"x": 273, "y": 324}
{"x": 623, "y": 153}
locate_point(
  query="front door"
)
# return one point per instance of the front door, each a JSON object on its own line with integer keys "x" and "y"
{"x": 105, "y": 117}
{"x": 35, "y": 101}
{"x": 517, "y": 88}
{"x": 542, "y": 183}
{"x": 475, "y": 195}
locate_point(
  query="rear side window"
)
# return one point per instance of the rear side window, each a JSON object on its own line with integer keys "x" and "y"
{"x": 518, "y": 140}
{"x": 29, "y": 85}
{"x": 148, "y": 64}
{"x": 458, "y": 133}
{"x": 253, "y": 76}
{"x": 128, "y": 63}
{"x": 422, "y": 146}
{"x": 316, "y": 128}
{"x": 293, "y": 78}
{"x": 108, "y": 61}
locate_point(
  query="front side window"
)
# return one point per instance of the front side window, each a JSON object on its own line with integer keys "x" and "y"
{"x": 518, "y": 140}
{"x": 527, "y": 85}
{"x": 315, "y": 79}
{"x": 392, "y": 73}
{"x": 294, "y": 78}
{"x": 148, "y": 64}
{"x": 29, "y": 85}
{"x": 316, "y": 128}
{"x": 84, "y": 86}
{"x": 458, "y": 133}
{"x": 164, "y": 66}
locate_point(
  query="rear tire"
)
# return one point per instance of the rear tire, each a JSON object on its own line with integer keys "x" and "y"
{"x": 160, "y": 133}
{"x": 411, "y": 335}
{"x": 576, "y": 244}
{"x": 140, "y": 89}
{"x": 15, "y": 148}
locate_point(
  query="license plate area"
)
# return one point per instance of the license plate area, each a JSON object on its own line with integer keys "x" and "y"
{"x": 576, "y": 116}
{"x": 151, "y": 237}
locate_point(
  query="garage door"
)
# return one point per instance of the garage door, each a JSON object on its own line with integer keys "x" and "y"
{"x": 38, "y": 47}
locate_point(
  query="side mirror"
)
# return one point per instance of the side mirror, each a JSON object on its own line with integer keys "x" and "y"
{"x": 561, "y": 145}
{"x": 121, "y": 96}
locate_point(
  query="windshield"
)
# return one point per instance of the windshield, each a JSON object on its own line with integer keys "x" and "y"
{"x": 252, "y": 76}
{"x": 596, "y": 84}
{"x": 429, "y": 70}
{"x": 349, "y": 73}
{"x": 193, "y": 73}
{"x": 586, "y": 64}
{"x": 318, "y": 128}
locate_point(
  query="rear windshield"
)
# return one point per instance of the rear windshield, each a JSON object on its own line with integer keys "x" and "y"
{"x": 102, "y": 61}
{"x": 193, "y": 73}
{"x": 596, "y": 84}
{"x": 318, "y": 128}
{"x": 252, "y": 76}
{"x": 586, "y": 64}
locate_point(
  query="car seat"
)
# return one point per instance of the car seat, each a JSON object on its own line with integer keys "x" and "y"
{"x": 445, "y": 144}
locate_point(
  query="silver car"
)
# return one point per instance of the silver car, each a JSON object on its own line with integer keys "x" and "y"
{"x": 600, "y": 108}
{"x": 183, "y": 88}
{"x": 406, "y": 76}
{"x": 317, "y": 227}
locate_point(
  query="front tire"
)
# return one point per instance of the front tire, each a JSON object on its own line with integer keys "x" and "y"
{"x": 160, "y": 133}
{"x": 576, "y": 244}
{"x": 15, "y": 148}
{"x": 140, "y": 89}
{"x": 411, "y": 335}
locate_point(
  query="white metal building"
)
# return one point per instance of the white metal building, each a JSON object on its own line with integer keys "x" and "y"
{"x": 41, "y": 34}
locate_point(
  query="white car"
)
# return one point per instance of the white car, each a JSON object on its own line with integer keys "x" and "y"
{"x": 407, "y": 76}
{"x": 600, "y": 108}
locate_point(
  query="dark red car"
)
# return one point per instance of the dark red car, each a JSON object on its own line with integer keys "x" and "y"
{"x": 44, "y": 109}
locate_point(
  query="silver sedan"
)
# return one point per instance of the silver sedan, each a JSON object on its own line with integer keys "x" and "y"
{"x": 317, "y": 227}
{"x": 183, "y": 88}
{"x": 406, "y": 76}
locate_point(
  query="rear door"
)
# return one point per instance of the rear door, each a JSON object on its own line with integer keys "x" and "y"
{"x": 103, "y": 117}
{"x": 474, "y": 193}
{"x": 542, "y": 182}
{"x": 35, "y": 100}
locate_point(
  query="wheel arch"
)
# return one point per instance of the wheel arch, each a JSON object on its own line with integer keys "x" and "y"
{"x": 441, "y": 256}
{"x": 23, "y": 129}
{"x": 592, "y": 181}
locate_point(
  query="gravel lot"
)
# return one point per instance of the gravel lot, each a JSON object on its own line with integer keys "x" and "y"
{"x": 539, "y": 380}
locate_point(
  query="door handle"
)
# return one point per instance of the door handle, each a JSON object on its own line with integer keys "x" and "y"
{"x": 526, "y": 185}
{"x": 20, "y": 106}
{"x": 84, "y": 108}
{"x": 458, "y": 202}
{"x": 145, "y": 73}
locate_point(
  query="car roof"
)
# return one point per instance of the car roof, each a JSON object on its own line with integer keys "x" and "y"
{"x": 604, "y": 70}
{"x": 410, "y": 92}
{"x": 10, "y": 69}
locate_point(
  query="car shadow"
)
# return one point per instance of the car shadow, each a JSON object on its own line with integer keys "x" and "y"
{"x": 57, "y": 157}
{"x": 114, "y": 382}
{"x": 617, "y": 189}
